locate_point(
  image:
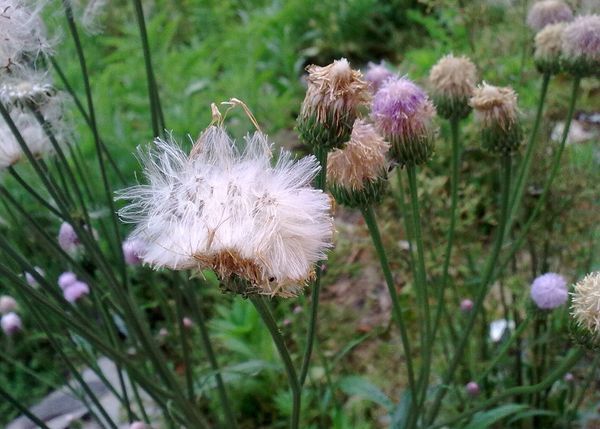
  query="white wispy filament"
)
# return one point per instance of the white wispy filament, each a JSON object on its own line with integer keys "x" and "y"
{"x": 231, "y": 210}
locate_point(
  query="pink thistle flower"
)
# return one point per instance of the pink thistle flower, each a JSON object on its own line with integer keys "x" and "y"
{"x": 67, "y": 238}
{"x": 377, "y": 74}
{"x": 31, "y": 280}
{"x": 132, "y": 251}
{"x": 7, "y": 304}
{"x": 549, "y": 291}
{"x": 11, "y": 323}
{"x": 188, "y": 323}
{"x": 569, "y": 377}
{"x": 66, "y": 279}
{"x": 76, "y": 291}
{"x": 466, "y": 305}
{"x": 547, "y": 12}
{"x": 472, "y": 389}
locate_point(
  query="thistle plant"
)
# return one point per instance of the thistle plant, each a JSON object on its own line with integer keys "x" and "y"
{"x": 152, "y": 275}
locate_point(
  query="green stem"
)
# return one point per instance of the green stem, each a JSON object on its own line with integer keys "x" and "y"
{"x": 421, "y": 289}
{"x": 185, "y": 347}
{"x": 483, "y": 289}
{"x": 316, "y": 289}
{"x": 546, "y": 190}
{"x": 521, "y": 181}
{"x": 265, "y": 313}
{"x": 570, "y": 360}
{"x": 40, "y": 199}
{"x": 371, "y": 222}
{"x": 10, "y": 399}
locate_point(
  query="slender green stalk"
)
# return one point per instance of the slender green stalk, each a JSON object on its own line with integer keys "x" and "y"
{"x": 516, "y": 245}
{"x": 421, "y": 288}
{"x": 483, "y": 289}
{"x": 210, "y": 354}
{"x": 571, "y": 359}
{"x": 155, "y": 111}
{"x": 40, "y": 199}
{"x": 525, "y": 165}
{"x": 9, "y": 398}
{"x": 265, "y": 313}
{"x": 501, "y": 352}
{"x": 185, "y": 347}
{"x": 316, "y": 287}
{"x": 371, "y": 222}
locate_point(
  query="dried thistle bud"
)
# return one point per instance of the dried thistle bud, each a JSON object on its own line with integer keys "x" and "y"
{"x": 357, "y": 172}
{"x": 548, "y": 47}
{"x": 547, "y": 12}
{"x": 496, "y": 110}
{"x": 334, "y": 94}
{"x": 585, "y": 309}
{"x": 581, "y": 46}
{"x": 403, "y": 114}
{"x": 452, "y": 81}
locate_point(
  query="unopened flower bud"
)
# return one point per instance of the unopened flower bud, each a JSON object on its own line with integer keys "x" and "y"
{"x": 569, "y": 377}
{"x": 188, "y": 323}
{"x": 472, "y": 389}
{"x": 357, "y": 172}
{"x": 466, "y": 305}
{"x": 496, "y": 111}
{"x": 403, "y": 114}
{"x": 334, "y": 94}
{"x": 452, "y": 81}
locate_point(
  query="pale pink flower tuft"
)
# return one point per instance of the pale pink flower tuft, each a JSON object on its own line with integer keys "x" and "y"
{"x": 7, "y": 304}
{"x": 66, "y": 279}
{"x": 67, "y": 238}
{"x": 133, "y": 250}
{"x": 472, "y": 389}
{"x": 11, "y": 323}
{"x": 76, "y": 291}
{"x": 466, "y": 305}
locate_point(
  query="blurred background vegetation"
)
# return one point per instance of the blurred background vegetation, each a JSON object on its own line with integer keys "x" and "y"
{"x": 212, "y": 50}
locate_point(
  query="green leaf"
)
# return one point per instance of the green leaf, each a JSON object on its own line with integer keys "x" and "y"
{"x": 484, "y": 419}
{"x": 401, "y": 412}
{"x": 363, "y": 388}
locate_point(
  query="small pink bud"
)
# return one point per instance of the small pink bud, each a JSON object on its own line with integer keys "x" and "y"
{"x": 7, "y": 304}
{"x": 76, "y": 291}
{"x": 472, "y": 389}
{"x": 31, "y": 280}
{"x": 287, "y": 322}
{"x": 67, "y": 238}
{"x": 163, "y": 332}
{"x": 297, "y": 309}
{"x": 66, "y": 279}
{"x": 569, "y": 377}
{"x": 132, "y": 251}
{"x": 466, "y": 305}
{"x": 188, "y": 323}
{"x": 11, "y": 323}
{"x": 138, "y": 425}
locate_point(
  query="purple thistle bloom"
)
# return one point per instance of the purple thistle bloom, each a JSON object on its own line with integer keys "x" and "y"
{"x": 66, "y": 279}
{"x": 377, "y": 74}
{"x": 549, "y": 291}
{"x": 11, "y": 323}
{"x": 466, "y": 305}
{"x": 132, "y": 251}
{"x": 76, "y": 291}
{"x": 472, "y": 389}
{"x": 67, "y": 238}
{"x": 7, "y": 304}
{"x": 401, "y": 108}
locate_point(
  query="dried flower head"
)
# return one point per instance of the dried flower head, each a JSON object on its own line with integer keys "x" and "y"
{"x": 452, "y": 81}
{"x": 260, "y": 227}
{"x": 496, "y": 109}
{"x": 7, "y": 304}
{"x": 547, "y": 12}
{"x": 403, "y": 113}
{"x": 548, "y": 47}
{"x": 357, "y": 171}
{"x": 377, "y": 74}
{"x": 585, "y": 304}
{"x": 11, "y": 324}
{"x": 581, "y": 46}
{"x": 549, "y": 291}
{"x": 132, "y": 249}
{"x": 22, "y": 34}
{"x": 334, "y": 94}
{"x": 66, "y": 279}
{"x": 26, "y": 87}
{"x": 75, "y": 291}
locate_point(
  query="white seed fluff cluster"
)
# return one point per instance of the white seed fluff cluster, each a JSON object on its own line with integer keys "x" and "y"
{"x": 22, "y": 33}
{"x": 585, "y": 304}
{"x": 230, "y": 210}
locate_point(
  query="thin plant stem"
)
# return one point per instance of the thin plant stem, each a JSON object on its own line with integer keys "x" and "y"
{"x": 525, "y": 165}
{"x": 15, "y": 403}
{"x": 321, "y": 183}
{"x": 265, "y": 313}
{"x": 483, "y": 289}
{"x": 40, "y": 199}
{"x": 371, "y": 222}
{"x": 210, "y": 354}
{"x": 568, "y": 362}
{"x": 185, "y": 347}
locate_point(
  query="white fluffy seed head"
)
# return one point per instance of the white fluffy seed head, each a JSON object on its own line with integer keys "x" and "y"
{"x": 27, "y": 87}
{"x": 232, "y": 211}
{"x": 22, "y": 33}
{"x": 585, "y": 303}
